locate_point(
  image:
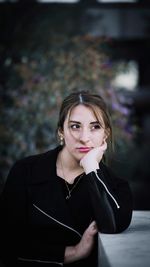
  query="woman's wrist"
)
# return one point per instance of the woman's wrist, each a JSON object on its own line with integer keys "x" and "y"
{"x": 70, "y": 254}
{"x": 92, "y": 166}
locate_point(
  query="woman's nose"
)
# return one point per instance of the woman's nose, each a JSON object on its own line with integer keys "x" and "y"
{"x": 84, "y": 136}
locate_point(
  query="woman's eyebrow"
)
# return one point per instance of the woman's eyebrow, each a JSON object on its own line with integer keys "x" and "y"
{"x": 92, "y": 122}
{"x": 71, "y": 121}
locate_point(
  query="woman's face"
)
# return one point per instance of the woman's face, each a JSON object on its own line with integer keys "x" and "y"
{"x": 82, "y": 131}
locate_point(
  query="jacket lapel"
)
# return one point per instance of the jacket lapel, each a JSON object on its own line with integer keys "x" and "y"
{"x": 47, "y": 194}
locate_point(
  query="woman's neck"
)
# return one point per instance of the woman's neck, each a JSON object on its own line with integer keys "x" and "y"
{"x": 69, "y": 162}
{"x": 68, "y": 166}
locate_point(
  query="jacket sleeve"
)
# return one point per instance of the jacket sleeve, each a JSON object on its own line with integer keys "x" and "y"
{"x": 16, "y": 233}
{"x": 111, "y": 199}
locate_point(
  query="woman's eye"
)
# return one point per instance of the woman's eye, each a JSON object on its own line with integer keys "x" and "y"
{"x": 96, "y": 126}
{"x": 75, "y": 126}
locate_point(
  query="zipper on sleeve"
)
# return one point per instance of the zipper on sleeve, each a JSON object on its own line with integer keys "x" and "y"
{"x": 115, "y": 201}
{"x": 40, "y": 261}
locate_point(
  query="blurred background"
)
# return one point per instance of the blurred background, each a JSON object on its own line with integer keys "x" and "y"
{"x": 49, "y": 48}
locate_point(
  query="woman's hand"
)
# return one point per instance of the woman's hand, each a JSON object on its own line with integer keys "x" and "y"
{"x": 84, "y": 247}
{"x": 90, "y": 162}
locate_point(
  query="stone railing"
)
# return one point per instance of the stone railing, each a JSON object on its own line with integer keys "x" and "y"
{"x": 130, "y": 248}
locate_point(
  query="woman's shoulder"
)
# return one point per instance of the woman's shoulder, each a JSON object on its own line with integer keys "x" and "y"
{"x": 110, "y": 174}
{"x": 29, "y": 160}
{"x": 36, "y": 158}
{"x": 34, "y": 166}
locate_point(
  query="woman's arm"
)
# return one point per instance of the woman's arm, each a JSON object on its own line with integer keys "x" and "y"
{"x": 111, "y": 197}
{"x": 84, "y": 247}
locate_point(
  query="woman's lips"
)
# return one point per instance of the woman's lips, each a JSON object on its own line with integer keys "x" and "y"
{"x": 84, "y": 149}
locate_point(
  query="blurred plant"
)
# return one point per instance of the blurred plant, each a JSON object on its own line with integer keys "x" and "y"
{"x": 38, "y": 81}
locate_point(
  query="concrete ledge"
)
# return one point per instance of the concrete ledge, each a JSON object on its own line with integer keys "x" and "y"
{"x": 130, "y": 248}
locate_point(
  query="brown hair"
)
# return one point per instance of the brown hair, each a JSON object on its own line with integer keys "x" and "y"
{"x": 93, "y": 101}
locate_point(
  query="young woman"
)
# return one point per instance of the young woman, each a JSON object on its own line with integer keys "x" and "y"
{"x": 54, "y": 204}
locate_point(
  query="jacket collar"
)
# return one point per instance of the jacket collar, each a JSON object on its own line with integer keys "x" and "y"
{"x": 43, "y": 166}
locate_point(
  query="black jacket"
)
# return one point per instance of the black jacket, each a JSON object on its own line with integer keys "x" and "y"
{"x": 36, "y": 221}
